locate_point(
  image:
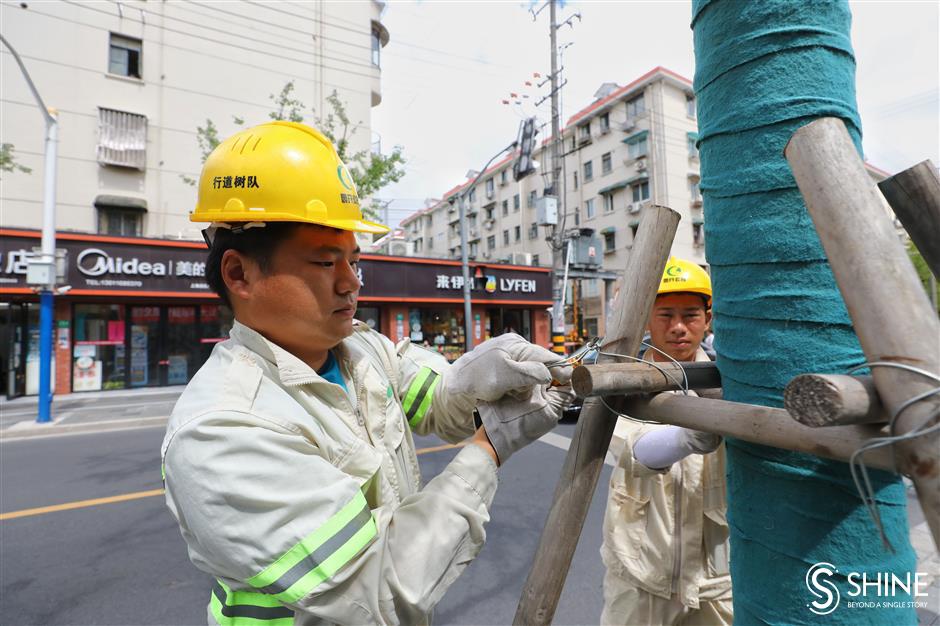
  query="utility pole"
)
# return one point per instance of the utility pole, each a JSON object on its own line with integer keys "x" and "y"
{"x": 42, "y": 271}
{"x": 558, "y": 287}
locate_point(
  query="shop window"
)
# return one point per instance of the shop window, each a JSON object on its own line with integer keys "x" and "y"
{"x": 124, "y": 223}
{"x": 124, "y": 56}
{"x": 98, "y": 355}
{"x": 122, "y": 139}
{"x": 182, "y": 350}
{"x": 441, "y": 330}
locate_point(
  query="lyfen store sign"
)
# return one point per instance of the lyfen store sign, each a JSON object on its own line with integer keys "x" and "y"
{"x": 109, "y": 266}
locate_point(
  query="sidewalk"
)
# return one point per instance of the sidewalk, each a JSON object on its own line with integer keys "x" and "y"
{"x": 89, "y": 411}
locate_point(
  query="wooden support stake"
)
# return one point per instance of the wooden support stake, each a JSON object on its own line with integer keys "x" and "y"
{"x": 833, "y": 400}
{"x": 606, "y": 379}
{"x": 914, "y": 195}
{"x": 757, "y": 424}
{"x": 585, "y": 459}
{"x": 892, "y": 317}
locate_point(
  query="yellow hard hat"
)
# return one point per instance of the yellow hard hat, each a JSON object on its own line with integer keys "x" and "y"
{"x": 279, "y": 172}
{"x": 685, "y": 276}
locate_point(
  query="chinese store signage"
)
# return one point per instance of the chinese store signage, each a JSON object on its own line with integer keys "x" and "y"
{"x": 133, "y": 266}
{"x": 112, "y": 266}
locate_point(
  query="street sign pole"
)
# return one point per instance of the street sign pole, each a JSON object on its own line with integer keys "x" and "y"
{"x": 42, "y": 271}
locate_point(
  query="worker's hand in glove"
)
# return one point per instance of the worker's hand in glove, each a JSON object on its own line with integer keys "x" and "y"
{"x": 660, "y": 448}
{"x": 512, "y": 423}
{"x": 505, "y": 364}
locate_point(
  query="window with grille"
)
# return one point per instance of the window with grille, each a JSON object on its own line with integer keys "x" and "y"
{"x": 124, "y": 56}
{"x": 122, "y": 139}
{"x": 120, "y": 223}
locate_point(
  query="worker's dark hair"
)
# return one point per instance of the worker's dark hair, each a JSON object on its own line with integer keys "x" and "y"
{"x": 258, "y": 244}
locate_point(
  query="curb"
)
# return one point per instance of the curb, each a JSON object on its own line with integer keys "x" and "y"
{"x": 30, "y": 430}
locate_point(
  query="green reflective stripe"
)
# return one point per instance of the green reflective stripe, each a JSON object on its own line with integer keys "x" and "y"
{"x": 420, "y": 392}
{"x": 425, "y": 403}
{"x": 247, "y": 608}
{"x": 415, "y": 387}
{"x": 319, "y": 555}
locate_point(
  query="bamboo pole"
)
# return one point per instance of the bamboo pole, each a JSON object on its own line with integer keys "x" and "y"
{"x": 605, "y": 379}
{"x": 575, "y": 489}
{"x": 757, "y": 424}
{"x": 914, "y": 195}
{"x": 833, "y": 400}
{"x": 889, "y": 309}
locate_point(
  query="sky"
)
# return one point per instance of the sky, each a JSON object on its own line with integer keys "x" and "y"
{"x": 449, "y": 65}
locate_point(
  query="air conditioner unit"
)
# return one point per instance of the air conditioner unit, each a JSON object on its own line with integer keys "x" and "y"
{"x": 634, "y": 207}
{"x": 486, "y": 255}
{"x": 520, "y": 258}
{"x": 640, "y": 165}
{"x": 628, "y": 124}
{"x": 488, "y": 224}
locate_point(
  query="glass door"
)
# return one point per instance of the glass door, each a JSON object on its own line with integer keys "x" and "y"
{"x": 12, "y": 344}
{"x": 145, "y": 342}
{"x": 183, "y": 356}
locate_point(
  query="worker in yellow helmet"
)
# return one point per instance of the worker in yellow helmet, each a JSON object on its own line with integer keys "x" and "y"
{"x": 665, "y": 544}
{"x": 288, "y": 460}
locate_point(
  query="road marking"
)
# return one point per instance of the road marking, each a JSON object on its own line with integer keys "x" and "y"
{"x": 560, "y": 441}
{"x": 552, "y": 439}
{"x": 81, "y": 504}
{"x": 448, "y": 446}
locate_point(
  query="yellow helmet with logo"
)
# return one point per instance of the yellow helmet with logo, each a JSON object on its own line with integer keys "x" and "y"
{"x": 279, "y": 172}
{"x": 685, "y": 276}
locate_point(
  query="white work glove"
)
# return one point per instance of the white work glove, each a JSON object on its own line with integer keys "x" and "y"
{"x": 502, "y": 365}
{"x": 660, "y": 448}
{"x": 512, "y": 423}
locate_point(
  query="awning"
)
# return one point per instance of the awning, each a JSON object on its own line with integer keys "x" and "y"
{"x": 633, "y": 222}
{"x": 614, "y": 187}
{"x": 126, "y": 203}
{"x": 697, "y": 221}
{"x": 636, "y": 137}
{"x": 636, "y": 179}
{"x": 608, "y": 230}
{"x": 692, "y": 136}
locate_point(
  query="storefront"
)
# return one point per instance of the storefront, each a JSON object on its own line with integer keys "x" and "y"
{"x": 138, "y": 312}
{"x": 422, "y": 299}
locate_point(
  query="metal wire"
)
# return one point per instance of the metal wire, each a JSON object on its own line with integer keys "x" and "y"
{"x": 683, "y": 384}
{"x": 857, "y": 465}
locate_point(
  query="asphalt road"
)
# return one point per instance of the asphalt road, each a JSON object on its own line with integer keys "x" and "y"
{"x": 125, "y": 563}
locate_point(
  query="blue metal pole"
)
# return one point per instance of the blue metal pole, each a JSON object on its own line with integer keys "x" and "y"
{"x": 45, "y": 356}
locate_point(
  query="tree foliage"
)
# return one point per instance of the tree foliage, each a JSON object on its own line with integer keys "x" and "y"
{"x": 924, "y": 273}
{"x": 370, "y": 171}
{"x": 8, "y": 160}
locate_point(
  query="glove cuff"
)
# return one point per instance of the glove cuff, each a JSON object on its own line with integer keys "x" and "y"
{"x": 492, "y": 424}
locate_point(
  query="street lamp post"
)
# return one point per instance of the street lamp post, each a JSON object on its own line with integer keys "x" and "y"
{"x": 42, "y": 271}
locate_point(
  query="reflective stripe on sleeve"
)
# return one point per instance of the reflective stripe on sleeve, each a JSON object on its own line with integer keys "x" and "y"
{"x": 247, "y": 608}
{"x": 319, "y": 555}
{"x": 418, "y": 397}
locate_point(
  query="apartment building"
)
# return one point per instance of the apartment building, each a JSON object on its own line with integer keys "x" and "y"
{"x": 634, "y": 145}
{"x": 131, "y": 81}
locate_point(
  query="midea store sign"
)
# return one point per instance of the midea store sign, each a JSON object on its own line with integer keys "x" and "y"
{"x": 95, "y": 262}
